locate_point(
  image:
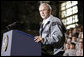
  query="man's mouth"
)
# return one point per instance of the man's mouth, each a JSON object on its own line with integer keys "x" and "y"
{"x": 43, "y": 15}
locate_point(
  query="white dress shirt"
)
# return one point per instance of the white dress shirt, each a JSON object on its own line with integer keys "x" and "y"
{"x": 45, "y": 21}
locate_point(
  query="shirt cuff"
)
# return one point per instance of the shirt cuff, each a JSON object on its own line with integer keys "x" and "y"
{"x": 44, "y": 40}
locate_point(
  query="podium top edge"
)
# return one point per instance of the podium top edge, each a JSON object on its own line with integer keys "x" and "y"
{"x": 21, "y": 32}
{"x": 24, "y": 33}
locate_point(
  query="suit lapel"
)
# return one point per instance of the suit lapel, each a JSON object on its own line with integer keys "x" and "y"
{"x": 42, "y": 29}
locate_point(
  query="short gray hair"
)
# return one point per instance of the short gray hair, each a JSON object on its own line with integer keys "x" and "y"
{"x": 49, "y": 7}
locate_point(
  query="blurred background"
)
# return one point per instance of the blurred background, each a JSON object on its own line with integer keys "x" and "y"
{"x": 24, "y": 15}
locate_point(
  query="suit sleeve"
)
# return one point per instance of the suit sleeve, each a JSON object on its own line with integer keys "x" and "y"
{"x": 56, "y": 35}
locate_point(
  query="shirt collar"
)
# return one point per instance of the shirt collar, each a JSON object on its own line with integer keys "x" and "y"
{"x": 46, "y": 20}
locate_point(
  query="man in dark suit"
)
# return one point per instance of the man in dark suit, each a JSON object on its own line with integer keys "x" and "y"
{"x": 51, "y": 32}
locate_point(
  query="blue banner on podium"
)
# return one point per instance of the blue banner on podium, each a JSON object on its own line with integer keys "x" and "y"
{"x": 18, "y": 43}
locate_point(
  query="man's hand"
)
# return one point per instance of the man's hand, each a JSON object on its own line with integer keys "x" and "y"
{"x": 38, "y": 39}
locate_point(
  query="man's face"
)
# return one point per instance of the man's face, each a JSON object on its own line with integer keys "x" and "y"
{"x": 80, "y": 45}
{"x": 67, "y": 46}
{"x": 72, "y": 46}
{"x": 44, "y": 12}
{"x": 68, "y": 40}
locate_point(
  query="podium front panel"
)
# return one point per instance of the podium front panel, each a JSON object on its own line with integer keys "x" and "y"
{"x": 6, "y": 44}
{"x": 21, "y": 44}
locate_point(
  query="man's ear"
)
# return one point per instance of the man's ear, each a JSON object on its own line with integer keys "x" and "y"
{"x": 50, "y": 11}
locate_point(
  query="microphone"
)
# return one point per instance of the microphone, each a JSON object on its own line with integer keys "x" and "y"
{"x": 11, "y": 25}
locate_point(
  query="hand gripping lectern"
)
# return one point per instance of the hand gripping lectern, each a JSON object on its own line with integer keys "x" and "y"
{"x": 18, "y": 43}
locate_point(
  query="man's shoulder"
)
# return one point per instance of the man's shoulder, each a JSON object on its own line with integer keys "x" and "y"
{"x": 55, "y": 19}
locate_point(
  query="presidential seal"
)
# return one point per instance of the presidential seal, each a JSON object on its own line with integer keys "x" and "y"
{"x": 5, "y": 43}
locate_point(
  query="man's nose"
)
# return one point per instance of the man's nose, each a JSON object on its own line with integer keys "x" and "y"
{"x": 42, "y": 12}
